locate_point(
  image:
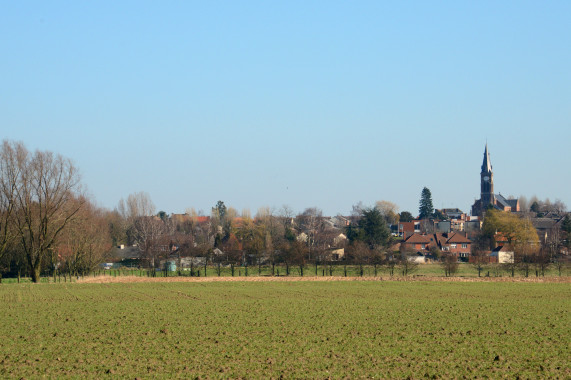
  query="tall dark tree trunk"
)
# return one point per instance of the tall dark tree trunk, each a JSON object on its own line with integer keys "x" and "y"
{"x": 35, "y": 268}
{"x": 35, "y": 274}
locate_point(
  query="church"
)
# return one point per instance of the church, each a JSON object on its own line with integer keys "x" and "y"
{"x": 487, "y": 197}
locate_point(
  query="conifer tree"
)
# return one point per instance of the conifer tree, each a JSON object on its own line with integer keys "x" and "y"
{"x": 425, "y": 208}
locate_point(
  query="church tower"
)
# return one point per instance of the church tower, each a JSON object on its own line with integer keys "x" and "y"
{"x": 487, "y": 181}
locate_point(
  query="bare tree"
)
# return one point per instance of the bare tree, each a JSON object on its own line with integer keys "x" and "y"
{"x": 406, "y": 261}
{"x": 12, "y": 157}
{"x": 523, "y": 203}
{"x": 310, "y": 222}
{"x": 48, "y": 196}
{"x": 298, "y": 255}
{"x": 511, "y": 265}
{"x": 541, "y": 261}
{"x": 449, "y": 263}
{"x": 148, "y": 231}
{"x": 389, "y": 211}
{"x": 359, "y": 253}
{"x": 479, "y": 259}
{"x": 479, "y": 256}
{"x": 151, "y": 238}
{"x": 356, "y": 212}
{"x": 251, "y": 236}
{"x": 561, "y": 262}
{"x": 85, "y": 241}
{"x": 137, "y": 204}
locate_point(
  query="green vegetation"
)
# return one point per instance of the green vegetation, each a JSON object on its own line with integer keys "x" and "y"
{"x": 425, "y": 208}
{"x": 358, "y": 329}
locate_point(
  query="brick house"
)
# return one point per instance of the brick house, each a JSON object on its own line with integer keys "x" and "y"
{"x": 405, "y": 229}
{"x": 453, "y": 242}
{"x": 419, "y": 243}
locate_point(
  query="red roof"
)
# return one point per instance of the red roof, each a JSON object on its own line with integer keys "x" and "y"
{"x": 457, "y": 238}
{"x": 418, "y": 238}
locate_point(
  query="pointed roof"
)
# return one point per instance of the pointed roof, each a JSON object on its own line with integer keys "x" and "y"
{"x": 458, "y": 239}
{"x": 418, "y": 238}
{"x": 487, "y": 164}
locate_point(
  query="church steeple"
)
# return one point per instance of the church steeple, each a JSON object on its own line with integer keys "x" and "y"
{"x": 487, "y": 164}
{"x": 487, "y": 180}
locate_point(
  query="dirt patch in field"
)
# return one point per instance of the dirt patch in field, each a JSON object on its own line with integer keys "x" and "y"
{"x": 135, "y": 279}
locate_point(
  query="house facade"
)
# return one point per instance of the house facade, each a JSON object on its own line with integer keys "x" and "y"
{"x": 453, "y": 242}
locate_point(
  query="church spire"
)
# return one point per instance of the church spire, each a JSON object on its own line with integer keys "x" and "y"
{"x": 487, "y": 164}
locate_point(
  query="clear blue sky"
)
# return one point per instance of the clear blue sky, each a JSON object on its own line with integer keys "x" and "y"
{"x": 302, "y": 103}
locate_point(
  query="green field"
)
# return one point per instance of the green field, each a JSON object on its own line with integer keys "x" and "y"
{"x": 357, "y": 329}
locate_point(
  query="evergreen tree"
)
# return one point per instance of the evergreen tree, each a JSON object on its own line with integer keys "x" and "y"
{"x": 371, "y": 229}
{"x": 425, "y": 208}
{"x": 405, "y": 216}
{"x": 220, "y": 209}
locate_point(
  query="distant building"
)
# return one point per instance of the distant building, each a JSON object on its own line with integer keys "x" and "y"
{"x": 404, "y": 229}
{"x": 487, "y": 196}
{"x": 453, "y": 242}
{"x": 452, "y": 213}
{"x": 502, "y": 255}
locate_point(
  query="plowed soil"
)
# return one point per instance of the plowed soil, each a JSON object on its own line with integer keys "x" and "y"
{"x": 135, "y": 279}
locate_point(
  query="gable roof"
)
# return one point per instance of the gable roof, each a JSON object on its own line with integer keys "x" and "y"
{"x": 544, "y": 223}
{"x": 202, "y": 219}
{"x": 458, "y": 238}
{"x": 501, "y": 248}
{"x": 418, "y": 238}
{"x": 503, "y": 201}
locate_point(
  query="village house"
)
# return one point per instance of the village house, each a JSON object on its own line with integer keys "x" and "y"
{"x": 404, "y": 229}
{"x": 453, "y": 242}
{"x": 502, "y": 255}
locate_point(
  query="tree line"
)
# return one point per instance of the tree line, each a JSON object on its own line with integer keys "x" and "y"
{"x": 47, "y": 223}
{"x": 273, "y": 238}
{"x": 49, "y": 226}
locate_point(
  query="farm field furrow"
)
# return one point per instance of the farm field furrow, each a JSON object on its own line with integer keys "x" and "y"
{"x": 360, "y": 329}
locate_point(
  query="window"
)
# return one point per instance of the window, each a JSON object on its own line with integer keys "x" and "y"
{"x": 423, "y": 246}
{"x": 453, "y": 245}
{"x": 464, "y": 245}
